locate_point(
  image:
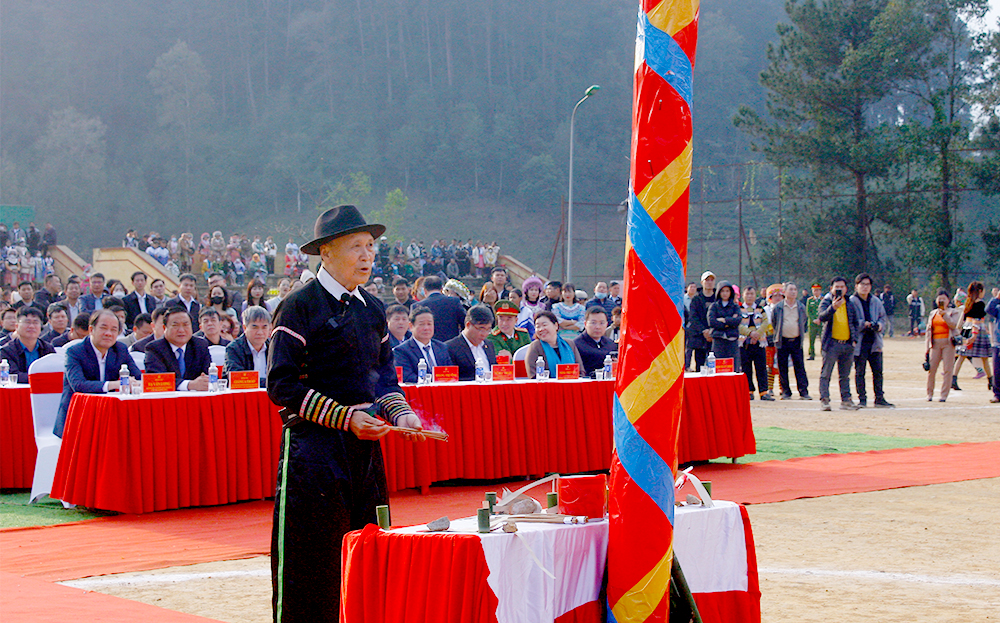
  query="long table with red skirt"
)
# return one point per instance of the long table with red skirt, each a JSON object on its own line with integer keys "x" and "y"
{"x": 409, "y": 575}
{"x": 17, "y": 438}
{"x": 138, "y": 454}
{"x": 527, "y": 428}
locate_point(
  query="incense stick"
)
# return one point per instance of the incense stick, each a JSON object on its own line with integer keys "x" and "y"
{"x": 426, "y": 433}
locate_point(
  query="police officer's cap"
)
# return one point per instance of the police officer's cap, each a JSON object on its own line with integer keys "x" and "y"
{"x": 505, "y": 307}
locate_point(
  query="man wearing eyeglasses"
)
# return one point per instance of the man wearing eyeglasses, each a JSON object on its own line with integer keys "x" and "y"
{"x": 25, "y": 348}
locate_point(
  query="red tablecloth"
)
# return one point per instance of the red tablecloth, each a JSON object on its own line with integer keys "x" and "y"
{"x": 17, "y": 438}
{"x": 499, "y": 430}
{"x": 716, "y": 419}
{"x": 137, "y": 455}
{"x": 528, "y": 428}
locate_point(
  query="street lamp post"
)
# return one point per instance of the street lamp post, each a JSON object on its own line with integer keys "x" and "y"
{"x": 569, "y": 221}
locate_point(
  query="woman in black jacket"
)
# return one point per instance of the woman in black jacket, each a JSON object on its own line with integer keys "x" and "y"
{"x": 724, "y": 317}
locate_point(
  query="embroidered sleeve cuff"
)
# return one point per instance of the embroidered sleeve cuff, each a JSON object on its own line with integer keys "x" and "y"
{"x": 325, "y": 411}
{"x": 393, "y": 407}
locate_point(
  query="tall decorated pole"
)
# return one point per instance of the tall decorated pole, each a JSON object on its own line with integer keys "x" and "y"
{"x": 648, "y": 389}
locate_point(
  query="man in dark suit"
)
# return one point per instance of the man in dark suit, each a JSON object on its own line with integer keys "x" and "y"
{"x": 421, "y": 345}
{"x": 211, "y": 327}
{"x": 180, "y": 352}
{"x": 471, "y": 345}
{"x": 249, "y": 351}
{"x": 79, "y": 330}
{"x": 139, "y": 346}
{"x": 24, "y": 347}
{"x": 138, "y": 301}
{"x": 187, "y": 298}
{"x": 93, "y": 365}
{"x": 58, "y": 322}
{"x": 449, "y": 315}
{"x": 50, "y": 293}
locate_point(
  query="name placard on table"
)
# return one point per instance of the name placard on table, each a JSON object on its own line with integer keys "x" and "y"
{"x": 567, "y": 371}
{"x": 503, "y": 359}
{"x": 244, "y": 379}
{"x": 725, "y": 365}
{"x": 153, "y": 383}
{"x": 445, "y": 374}
{"x": 503, "y": 372}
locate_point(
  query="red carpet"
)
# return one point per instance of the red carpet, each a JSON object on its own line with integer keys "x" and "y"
{"x": 156, "y": 540}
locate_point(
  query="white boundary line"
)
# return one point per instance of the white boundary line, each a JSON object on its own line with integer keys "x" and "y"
{"x": 151, "y": 579}
{"x": 882, "y": 576}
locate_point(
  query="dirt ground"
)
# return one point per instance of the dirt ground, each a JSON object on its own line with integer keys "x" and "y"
{"x": 923, "y": 554}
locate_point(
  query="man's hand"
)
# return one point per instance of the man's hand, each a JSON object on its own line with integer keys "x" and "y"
{"x": 200, "y": 384}
{"x": 817, "y": 322}
{"x": 837, "y": 302}
{"x": 505, "y": 353}
{"x": 707, "y": 333}
{"x": 410, "y": 420}
{"x": 366, "y": 426}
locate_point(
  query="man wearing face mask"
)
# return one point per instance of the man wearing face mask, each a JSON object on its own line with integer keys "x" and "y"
{"x": 602, "y": 298}
{"x": 840, "y": 333}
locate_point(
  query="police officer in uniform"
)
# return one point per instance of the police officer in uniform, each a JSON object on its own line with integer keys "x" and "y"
{"x": 506, "y": 337}
{"x": 331, "y": 369}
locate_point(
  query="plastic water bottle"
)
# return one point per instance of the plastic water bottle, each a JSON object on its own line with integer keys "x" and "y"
{"x": 480, "y": 372}
{"x": 540, "y": 371}
{"x": 124, "y": 380}
{"x": 422, "y": 372}
{"x": 4, "y": 373}
{"x": 213, "y": 378}
{"x": 607, "y": 367}
{"x": 710, "y": 364}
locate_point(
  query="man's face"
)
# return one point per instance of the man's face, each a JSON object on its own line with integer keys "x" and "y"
{"x": 708, "y": 284}
{"x": 615, "y": 290}
{"x": 29, "y": 327}
{"x": 399, "y": 323}
{"x": 401, "y": 292}
{"x": 817, "y": 291}
{"x": 158, "y": 289}
{"x": 58, "y": 320}
{"x": 105, "y": 332}
{"x": 96, "y": 286}
{"x": 791, "y": 293}
{"x": 596, "y": 325}
{"x": 210, "y": 325}
{"x": 178, "y": 328}
{"x": 499, "y": 279}
{"x": 257, "y": 332}
{"x": 692, "y": 289}
{"x": 26, "y": 292}
{"x": 506, "y": 323}
{"x": 217, "y": 280}
{"x": 838, "y": 287}
{"x": 121, "y": 318}
{"x": 476, "y": 333}
{"x": 9, "y": 320}
{"x": 73, "y": 291}
{"x": 423, "y": 327}
{"x": 142, "y": 331}
{"x": 864, "y": 287}
{"x": 552, "y": 293}
{"x": 749, "y": 296}
{"x": 601, "y": 288}
{"x": 187, "y": 289}
{"x": 349, "y": 258}
{"x": 139, "y": 283}
{"x": 54, "y": 285}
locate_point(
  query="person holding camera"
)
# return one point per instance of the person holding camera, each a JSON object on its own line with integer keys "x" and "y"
{"x": 840, "y": 333}
{"x": 943, "y": 326}
{"x": 874, "y": 320}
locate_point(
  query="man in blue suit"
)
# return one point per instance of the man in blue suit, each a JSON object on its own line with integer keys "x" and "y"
{"x": 178, "y": 351}
{"x": 471, "y": 346}
{"x": 91, "y": 301}
{"x": 93, "y": 365}
{"x": 449, "y": 315}
{"x": 421, "y": 345}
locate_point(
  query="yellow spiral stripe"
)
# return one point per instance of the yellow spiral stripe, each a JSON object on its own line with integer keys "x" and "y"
{"x": 650, "y": 385}
{"x": 638, "y": 603}
{"x": 672, "y": 17}
{"x": 669, "y": 184}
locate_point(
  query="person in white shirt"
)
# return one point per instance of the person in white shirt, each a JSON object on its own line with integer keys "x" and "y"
{"x": 249, "y": 351}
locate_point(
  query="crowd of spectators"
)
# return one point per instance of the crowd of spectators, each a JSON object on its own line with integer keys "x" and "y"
{"x": 763, "y": 334}
{"x": 24, "y": 253}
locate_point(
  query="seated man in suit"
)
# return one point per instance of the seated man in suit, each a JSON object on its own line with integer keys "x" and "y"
{"x": 471, "y": 346}
{"x": 24, "y": 347}
{"x": 592, "y": 344}
{"x": 139, "y": 346}
{"x": 142, "y": 327}
{"x": 421, "y": 345}
{"x": 398, "y": 319}
{"x": 211, "y": 327}
{"x": 249, "y": 351}
{"x": 449, "y": 315}
{"x": 93, "y": 366}
{"x": 187, "y": 297}
{"x": 79, "y": 330}
{"x": 138, "y": 301}
{"x": 178, "y": 351}
{"x": 8, "y": 323}
{"x": 58, "y": 322}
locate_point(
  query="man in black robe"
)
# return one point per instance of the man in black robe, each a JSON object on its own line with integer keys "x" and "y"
{"x": 331, "y": 368}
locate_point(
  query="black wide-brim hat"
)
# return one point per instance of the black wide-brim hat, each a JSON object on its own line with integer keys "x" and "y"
{"x": 336, "y": 222}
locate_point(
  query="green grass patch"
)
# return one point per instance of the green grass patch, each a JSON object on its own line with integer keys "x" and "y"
{"x": 775, "y": 443}
{"x": 15, "y": 512}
